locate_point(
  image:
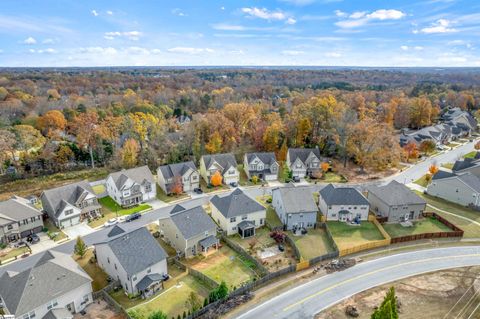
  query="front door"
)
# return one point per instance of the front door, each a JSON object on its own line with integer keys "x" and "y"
{"x": 71, "y": 307}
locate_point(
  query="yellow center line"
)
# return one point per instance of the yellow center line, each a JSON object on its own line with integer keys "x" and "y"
{"x": 369, "y": 274}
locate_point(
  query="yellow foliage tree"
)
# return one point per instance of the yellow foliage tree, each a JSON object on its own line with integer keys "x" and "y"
{"x": 214, "y": 144}
{"x": 129, "y": 153}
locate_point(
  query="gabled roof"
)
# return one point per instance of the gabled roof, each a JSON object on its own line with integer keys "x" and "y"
{"x": 466, "y": 163}
{"x": 296, "y": 199}
{"x": 177, "y": 208}
{"x": 471, "y": 180}
{"x": 342, "y": 196}
{"x": 58, "y": 313}
{"x": 266, "y": 157}
{"x": 146, "y": 281}
{"x": 16, "y": 209}
{"x": 116, "y": 230}
{"x": 54, "y": 200}
{"x": 136, "y": 250}
{"x": 395, "y": 193}
{"x": 192, "y": 222}
{"x": 176, "y": 170}
{"x": 54, "y": 274}
{"x": 225, "y": 160}
{"x": 236, "y": 204}
{"x": 442, "y": 174}
{"x": 137, "y": 174}
{"x": 302, "y": 153}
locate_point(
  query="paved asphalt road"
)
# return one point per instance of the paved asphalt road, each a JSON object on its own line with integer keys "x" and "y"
{"x": 309, "y": 299}
{"x": 412, "y": 173}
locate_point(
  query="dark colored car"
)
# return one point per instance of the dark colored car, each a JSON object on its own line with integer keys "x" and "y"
{"x": 281, "y": 248}
{"x": 296, "y": 179}
{"x": 20, "y": 244}
{"x": 234, "y": 184}
{"x": 33, "y": 238}
{"x": 165, "y": 277}
{"x": 133, "y": 216}
{"x": 198, "y": 190}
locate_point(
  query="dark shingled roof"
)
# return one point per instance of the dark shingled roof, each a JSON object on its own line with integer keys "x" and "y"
{"x": 137, "y": 174}
{"x": 225, "y": 160}
{"x": 54, "y": 274}
{"x": 148, "y": 280}
{"x": 175, "y": 170}
{"x": 302, "y": 153}
{"x": 342, "y": 196}
{"x": 236, "y": 204}
{"x": 177, "y": 208}
{"x": 296, "y": 199}
{"x": 54, "y": 200}
{"x": 17, "y": 209}
{"x": 442, "y": 174}
{"x": 208, "y": 241}
{"x": 192, "y": 222}
{"x": 266, "y": 157}
{"x": 136, "y": 250}
{"x": 461, "y": 165}
{"x": 395, "y": 193}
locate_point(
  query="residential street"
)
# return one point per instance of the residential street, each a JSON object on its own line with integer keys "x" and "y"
{"x": 308, "y": 299}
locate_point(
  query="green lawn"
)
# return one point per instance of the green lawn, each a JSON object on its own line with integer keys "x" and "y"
{"x": 53, "y": 231}
{"x": 447, "y": 165}
{"x": 110, "y": 205}
{"x": 331, "y": 177}
{"x": 470, "y": 229}
{"x": 172, "y": 300}
{"x": 169, "y": 198}
{"x": 422, "y": 181}
{"x": 15, "y": 252}
{"x": 272, "y": 218}
{"x": 99, "y": 189}
{"x": 347, "y": 236}
{"x": 224, "y": 265}
{"x": 93, "y": 270}
{"x": 315, "y": 243}
{"x": 425, "y": 225}
{"x": 470, "y": 155}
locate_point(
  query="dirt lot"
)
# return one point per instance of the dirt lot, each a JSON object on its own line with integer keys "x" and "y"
{"x": 445, "y": 293}
{"x": 99, "y": 309}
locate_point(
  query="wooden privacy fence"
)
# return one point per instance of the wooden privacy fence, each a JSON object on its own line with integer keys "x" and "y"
{"x": 239, "y": 250}
{"x": 456, "y": 231}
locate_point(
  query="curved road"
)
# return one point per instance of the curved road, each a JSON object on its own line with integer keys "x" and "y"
{"x": 309, "y": 299}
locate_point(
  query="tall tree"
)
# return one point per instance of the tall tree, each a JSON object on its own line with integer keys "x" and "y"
{"x": 214, "y": 144}
{"x": 80, "y": 248}
{"x": 7, "y": 145}
{"x": 28, "y": 137}
{"x": 51, "y": 123}
{"x": 86, "y": 129}
{"x": 129, "y": 153}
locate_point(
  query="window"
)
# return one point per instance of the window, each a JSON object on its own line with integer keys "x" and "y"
{"x": 86, "y": 298}
{"x": 115, "y": 265}
{"x": 206, "y": 233}
{"x": 29, "y": 315}
{"x": 134, "y": 277}
{"x": 231, "y": 172}
{"x": 234, "y": 228}
{"x": 301, "y": 215}
{"x": 149, "y": 270}
{"x": 25, "y": 221}
{"x": 68, "y": 212}
{"x": 10, "y": 227}
{"x": 245, "y": 217}
{"x": 329, "y": 207}
{"x": 32, "y": 219}
{"x": 148, "y": 188}
{"x": 261, "y": 221}
{"x": 108, "y": 260}
{"x": 176, "y": 236}
{"x": 52, "y": 304}
{"x": 194, "y": 177}
{"x": 233, "y": 219}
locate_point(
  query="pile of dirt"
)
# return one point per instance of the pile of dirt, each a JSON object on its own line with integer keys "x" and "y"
{"x": 227, "y": 306}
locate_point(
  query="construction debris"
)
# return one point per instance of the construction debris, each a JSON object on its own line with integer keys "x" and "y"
{"x": 351, "y": 311}
{"x": 339, "y": 264}
{"x": 227, "y": 306}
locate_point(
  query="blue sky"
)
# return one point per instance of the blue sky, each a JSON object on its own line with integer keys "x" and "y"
{"x": 275, "y": 32}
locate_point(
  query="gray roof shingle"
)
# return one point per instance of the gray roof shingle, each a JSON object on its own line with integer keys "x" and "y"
{"x": 342, "y": 196}
{"x": 55, "y": 199}
{"x": 192, "y": 222}
{"x": 175, "y": 170}
{"x": 54, "y": 274}
{"x": 302, "y": 153}
{"x": 236, "y": 204}
{"x": 265, "y": 157}
{"x": 395, "y": 193}
{"x": 296, "y": 199}
{"x": 225, "y": 160}
{"x": 16, "y": 209}
{"x": 136, "y": 250}
{"x": 137, "y": 174}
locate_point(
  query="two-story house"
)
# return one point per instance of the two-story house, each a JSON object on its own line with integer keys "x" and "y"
{"x": 18, "y": 219}
{"x": 237, "y": 213}
{"x": 303, "y": 162}
{"x": 132, "y": 186}
{"x": 54, "y": 284}
{"x": 70, "y": 204}
{"x": 463, "y": 189}
{"x": 135, "y": 259}
{"x": 184, "y": 174}
{"x": 262, "y": 165}
{"x": 295, "y": 207}
{"x": 189, "y": 231}
{"x": 344, "y": 204}
{"x": 226, "y": 164}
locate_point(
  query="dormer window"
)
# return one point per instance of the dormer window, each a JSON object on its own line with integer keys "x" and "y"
{"x": 68, "y": 212}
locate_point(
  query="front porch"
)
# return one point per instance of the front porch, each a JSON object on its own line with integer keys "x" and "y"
{"x": 91, "y": 212}
{"x": 207, "y": 243}
{"x": 246, "y": 229}
{"x": 131, "y": 201}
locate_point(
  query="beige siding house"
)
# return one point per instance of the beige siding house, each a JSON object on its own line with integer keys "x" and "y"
{"x": 184, "y": 173}
{"x": 223, "y": 163}
{"x": 18, "y": 219}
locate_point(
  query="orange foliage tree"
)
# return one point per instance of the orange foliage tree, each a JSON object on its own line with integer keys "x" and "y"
{"x": 433, "y": 169}
{"x": 216, "y": 179}
{"x": 177, "y": 187}
{"x": 411, "y": 150}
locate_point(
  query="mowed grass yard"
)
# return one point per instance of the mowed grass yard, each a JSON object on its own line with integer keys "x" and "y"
{"x": 169, "y": 198}
{"x": 456, "y": 215}
{"x": 315, "y": 243}
{"x": 111, "y": 209}
{"x": 93, "y": 270}
{"x": 424, "y": 225}
{"x": 172, "y": 301}
{"x": 347, "y": 236}
{"x": 223, "y": 265}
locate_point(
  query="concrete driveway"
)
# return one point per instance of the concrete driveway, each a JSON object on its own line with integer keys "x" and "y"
{"x": 45, "y": 243}
{"x": 81, "y": 229}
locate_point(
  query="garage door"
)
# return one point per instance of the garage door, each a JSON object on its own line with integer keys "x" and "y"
{"x": 271, "y": 177}
{"x": 70, "y": 222}
{"x": 229, "y": 180}
{"x": 25, "y": 233}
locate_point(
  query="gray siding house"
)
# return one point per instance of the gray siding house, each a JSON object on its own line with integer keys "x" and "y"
{"x": 463, "y": 189}
{"x": 303, "y": 162}
{"x": 189, "y": 231}
{"x": 55, "y": 283}
{"x": 295, "y": 206}
{"x": 18, "y": 219}
{"x": 262, "y": 165}
{"x": 396, "y": 202}
{"x": 133, "y": 258}
{"x": 342, "y": 204}
{"x": 185, "y": 173}
{"x": 225, "y": 164}
{"x": 132, "y": 186}
{"x": 70, "y": 204}
{"x": 470, "y": 165}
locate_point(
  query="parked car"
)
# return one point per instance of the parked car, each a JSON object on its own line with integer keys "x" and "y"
{"x": 165, "y": 277}
{"x": 198, "y": 190}
{"x": 33, "y": 239}
{"x": 281, "y": 248}
{"x": 234, "y": 184}
{"x": 296, "y": 179}
{"x": 20, "y": 244}
{"x": 133, "y": 216}
{"x": 111, "y": 222}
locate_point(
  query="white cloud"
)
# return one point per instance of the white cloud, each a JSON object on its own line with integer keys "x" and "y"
{"x": 131, "y": 35}
{"x": 95, "y": 13}
{"x": 299, "y": 2}
{"x": 292, "y": 52}
{"x": 407, "y": 48}
{"x": 48, "y": 41}
{"x": 361, "y": 18}
{"x": 237, "y": 52}
{"x": 333, "y": 55}
{"x": 228, "y": 27}
{"x": 99, "y": 50}
{"x": 110, "y": 13}
{"x": 179, "y": 12}
{"x": 40, "y": 51}
{"x": 222, "y": 8}
{"x": 404, "y": 48}
{"x": 30, "y": 40}
{"x": 265, "y": 14}
{"x": 189, "y": 50}
{"x": 340, "y": 13}
{"x": 439, "y": 26}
